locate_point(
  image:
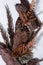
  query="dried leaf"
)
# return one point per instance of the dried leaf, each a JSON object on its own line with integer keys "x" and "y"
{"x": 4, "y": 34}
{"x": 10, "y": 26}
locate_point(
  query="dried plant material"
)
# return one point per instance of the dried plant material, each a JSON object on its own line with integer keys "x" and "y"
{"x": 34, "y": 61}
{"x": 21, "y": 50}
{"x": 18, "y": 50}
{"x": 25, "y": 3}
{"x": 4, "y": 35}
{"x": 31, "y": 43}
{"x": 32, "y": 5}
{"x": 17, "y": 39}
{"x": 22, "y": 11}
{"x": 2, "y": 45}
{"x": 10, "y": 25}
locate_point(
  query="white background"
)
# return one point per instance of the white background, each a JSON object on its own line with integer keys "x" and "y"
{"x": 38, "y": 51}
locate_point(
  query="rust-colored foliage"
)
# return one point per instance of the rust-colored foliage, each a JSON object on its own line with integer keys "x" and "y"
{"x": 18, "y": 50}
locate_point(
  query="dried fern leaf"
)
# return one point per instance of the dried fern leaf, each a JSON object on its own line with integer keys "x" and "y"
{"x": 25, "y": 3}
{"x": 22, "y": 12}
{"x": 10, "y": 25}
{"x": 4, "y": 34}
